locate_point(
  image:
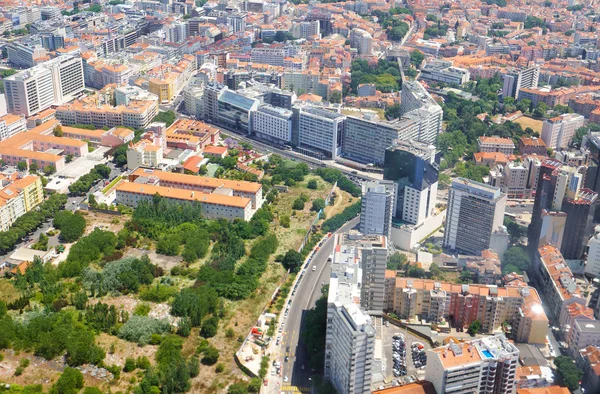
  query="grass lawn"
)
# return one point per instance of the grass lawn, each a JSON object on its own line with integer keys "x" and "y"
{"x": 110, "y": 185}
{"x": 526, "y": 121}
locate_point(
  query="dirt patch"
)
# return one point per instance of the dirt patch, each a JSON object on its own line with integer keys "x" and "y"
{"x": 526, "y": 121}
{"x": 163, "y": 261}
{"x": 104, "y": 221}
{"x": 8, "y": 293}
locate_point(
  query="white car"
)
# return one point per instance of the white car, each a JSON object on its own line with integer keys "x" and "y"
{"x": 285, "y": 379}
{"x": 314, "y": 268}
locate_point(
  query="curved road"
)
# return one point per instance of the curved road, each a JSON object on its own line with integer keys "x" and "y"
{"x": 307, "y": 293}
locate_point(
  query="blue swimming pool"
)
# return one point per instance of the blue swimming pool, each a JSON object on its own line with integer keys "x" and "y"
{"x": 487, "y": 354}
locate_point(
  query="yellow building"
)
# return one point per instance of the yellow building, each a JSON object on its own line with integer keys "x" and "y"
{"x": 163, "y": 88}
{"x": 19, "y": 197}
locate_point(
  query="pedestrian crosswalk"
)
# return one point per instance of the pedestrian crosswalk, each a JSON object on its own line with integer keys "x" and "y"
{"x": 295, "y": 389}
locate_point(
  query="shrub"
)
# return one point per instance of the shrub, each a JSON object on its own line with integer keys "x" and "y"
{"x": 129, "y": 365}
{"x": 140, "y": 329}
{"x": 312, "y": 184}
{"x": 211, "y": 355}
{"x": 220, "y": 368}
{"x": 298, "y": 204}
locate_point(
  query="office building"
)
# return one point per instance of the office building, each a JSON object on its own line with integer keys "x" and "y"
{"x": 234, "y": 111}
{"x": 487, "y": 365}
{"x": 516, "y": 80}
{"x": 442, "y": 71}
{"x": 440, "y": 303}
{"x": 212, "y": 92}
{"x": 411, "y": 166}
{"x": 420, "y": 106}
{"x": 366, "y": 140}
{"x": 362, "y": 41}
{"x": 273, "y": 124}
{"x": 560, "y": 189}
{"x": 306, "y": 30}
{"x": 350, "y": 337}
{"x": 475, "y": 211}
{"x": 25, "y": 55}
{"x": 495, "y": 144}
{"x": 54, "y": 82}
{"x": 558, "y": 132}
{"x": 378, "y": 205}
{"x": 320, "y": 131}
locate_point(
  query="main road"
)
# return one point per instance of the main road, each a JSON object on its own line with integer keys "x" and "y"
{"x": 307, "y": 293}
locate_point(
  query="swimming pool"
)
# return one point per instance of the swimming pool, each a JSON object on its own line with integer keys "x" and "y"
{"x": 487, "y": 354}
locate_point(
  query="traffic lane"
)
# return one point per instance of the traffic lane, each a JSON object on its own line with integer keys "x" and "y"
{"x": 294, "y": 320}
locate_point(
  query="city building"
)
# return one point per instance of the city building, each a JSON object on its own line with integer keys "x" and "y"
{"x": 306, "y": 30}
{"x": 366, "y": 139}
{"x": 560, "y": 188}
{"x": 592, "y": 264}
{"x": 442, "y": 71}
{"x": 411, "y": 166}
{"x": 485, "y": 269}
{"x": 17, "y": 197}
{"x": 441, "y": 303}
{"x": 495, "y": 144}
{"x": 234, "y": 111}
{"x": 10, "y": 125}
{"x": 417, "y": 102}
{"x": 588, "y": 361}
{"x": 362, "y": 41}
{"x": 558, "y": 132}
{"x": 475, "y": 211}
{"x": 486, "y": 365}
{"x": 516, "y": 80}
{"x": 320, "y": 131}
{"x": 54, "y": 82}
{"x": 144, "y": 153}
{"x": 532, "y": 146}
{"x": 350, "y": 337}
{"x": 581, "y": 334}
{"x": 273, "y": 124}
{"x": 378, "y": 205}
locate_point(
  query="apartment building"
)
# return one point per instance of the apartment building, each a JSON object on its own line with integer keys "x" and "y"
{"x": 272, "y": 124}
{"x": 214, "y": 205}
{"x": 321, "y": 130}
{"x": 583, "y": 333}
{"x": 555, "y": 280}
{"x": 366, "y": 140}
{"x": 438, "y": 302}
{"x": 17, "y": 197}
{"x": 362, "y": 41}
{"x": 532, "y": 146}
{"x": 487, "y": 366}
{"x": 411, "y": 166}
{"x": 588, "y": 361}
{"x": 54, "y": 82}
{"x": 273, "y": 55}
{"x": 144, "y": 153}
{"x": 350, "y": 337}
{"x": 495, "y": 144}
{"x": 378, "y": 206}
{"x": 442, "y": 71}
{"x": 558, "y": 132}
{"x": 306, "y": 30}
{"x": 517, "y": 179}
{"x": 515, "y": 80}
{"x": 200, "y": 133}
{"x": 10, "y": 125}
{"x": 475, "y": 211}
{"x": 592, "y": 264}
{"x": 418, "y": 103}
{"x": 206, "y": 185}
{"x": 25, "y": 55}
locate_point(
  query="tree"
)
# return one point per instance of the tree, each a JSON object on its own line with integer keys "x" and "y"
{"x": 167, "y": 117}
{"x": 568, "y": 373}
{"x": 237, "y": 388}
{"x": 317, "y": 205}
{"x": 92, "y": 390}
{"x": 58, "y": 131}
{"x": 523, "y": 105}
{"x": 540, "y": 110}
{"x": 22, "y": 166}
{"x": 71, "y": 225}
{"x": 474, "y": 328}
{"x": 397, "y": 261}
{"x": 70, "y": 382}
{"x": 211, "y": 356}
{"x": 129, "y": 364}
{"x": 335, "y": 97}
{"x": 515, "y": 230}
{"x": 312, "y": 184}
{"x": 392, "y": 112}
{"x": 515, "y": 257}
{"x": 48, "y": 170}
{"x": 209, "y": 327}
{"x": 416, "y": 58}
{"x": 298, "y": 204}
{"x": 292, "y": 260}
{"x": 284, "y": 220}
{"x": 33, "y": 167}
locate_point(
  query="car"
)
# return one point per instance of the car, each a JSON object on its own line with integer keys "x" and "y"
{"x": 285, "y": 379}
{"x": 387, "y": 323}
{"x": 314, "y": 268}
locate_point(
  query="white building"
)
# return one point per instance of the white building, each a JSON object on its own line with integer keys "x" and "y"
{"x": 558, "y": 132}
{"x": 592, "y": 265}
{"x": 54, "y": 82}
{"x": 475, "y": 211}
{"x": 417, "y": 104}
{"x": 306, "y": 30}
{"x": 144, "y": 153}
{"x": 378, "y": 206}
{"x": 321, "y": 130}
{"x": 10, "y": 125}
{"x": 362, "y": 41}
{"x": 272, "y": 123}
{"x": 495, "y": 144}
{"x": 350, "y": 339}
{"x": 516, "y": 80}
{"x": 443, "y": 71}
{"x": 484, "y": 366}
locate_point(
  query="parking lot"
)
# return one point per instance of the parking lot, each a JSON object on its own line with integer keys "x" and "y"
{"x": 405, "y": 358}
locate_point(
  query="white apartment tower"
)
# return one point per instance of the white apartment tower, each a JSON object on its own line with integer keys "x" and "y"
{"x": 54, "y": 82}
{"x": 272, "y": 123}
{"x": 483, "y": 366}
{"x": 558, "y": 132}
{"x": 592, "y": 265}
{"x": 378, "y": 206}
{"x": 418, "y": 104}
{"x": 321, "y": 130}
{"x": 519, "y": 79}
{"x": 362, "y": 41}
{"x": 475, "y": 211}
{"x": 350, "y": 339}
